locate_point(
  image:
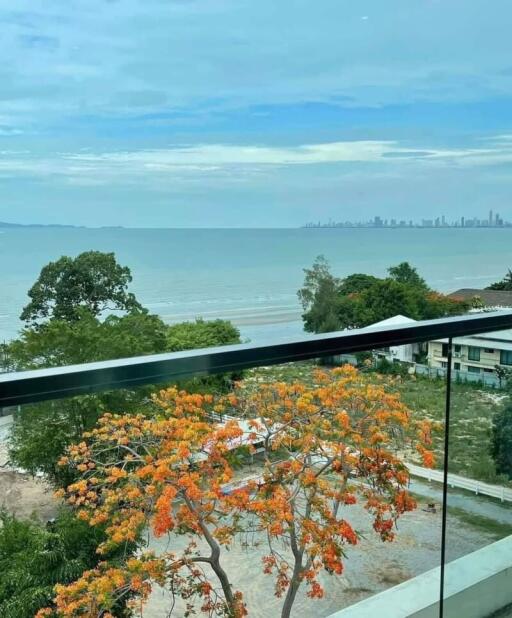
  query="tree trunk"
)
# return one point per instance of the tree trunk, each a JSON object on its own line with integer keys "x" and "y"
{"x": 290, "y": 596}
{"x": 226, "y": 586}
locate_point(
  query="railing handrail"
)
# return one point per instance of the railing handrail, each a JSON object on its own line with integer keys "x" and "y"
{"x": 44, "y": 384}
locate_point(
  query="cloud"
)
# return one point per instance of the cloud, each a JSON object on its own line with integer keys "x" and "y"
{"x": 196, "y": 162}
{"x": 120, "y": 57}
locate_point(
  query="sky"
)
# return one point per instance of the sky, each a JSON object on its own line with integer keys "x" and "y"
{"x": 237, "y": 113}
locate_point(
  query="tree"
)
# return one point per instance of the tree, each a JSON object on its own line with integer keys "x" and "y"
{"x": 337, "y": 444}
{"x": 204, "y": 334}
{"x": 201, "y": 334}
{"x": 93, "y": 280}
{"x": 319, "y": 298}
{"x": 501, "y": 445}
{"x": 387, "y": 298}
{"x": 356, "y": 283}
{"x": 34, "y": 558}
{"x": 503, "y": 374}
{"x": 360, "y": 300}
{"x": 504, "y": 284}
{"x": 41, "y": 432}
{"x": 61, "y": 342}
{"x": 407, "y": 274}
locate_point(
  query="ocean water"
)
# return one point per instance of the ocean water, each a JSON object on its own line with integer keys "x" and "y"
{"x": 249, "y": 276}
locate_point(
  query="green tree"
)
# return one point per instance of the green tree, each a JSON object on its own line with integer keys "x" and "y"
{"x": 504, "y": 284}
{"x": 319, "y": 297}
{"x": 201, "y": 334}
{"x": 356, "y": 283}
{"x": 34, "y": 558}
{"x": 501, "y": 444}
{"x": 204, "y": 334}
{"x": 408, "y": 275}
{"x": 385, "y": 299}
{"x": 60, "y": 342}
{"x": 41, "y": 432}
{"x": 93, "y": 280}
{"x": 360, "y": 300}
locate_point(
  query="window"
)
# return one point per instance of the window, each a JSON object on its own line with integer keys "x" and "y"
{"x": 457, "y": 349}
{"x": 506, "y": 357}
{"x": 445, "y": 350}
{"x": 488, "y": 370}
{"x": 456, "y": 366}
{"x": 489, "y": 350}
{"x": 444, "y": 364}
{"x": 472, "y": 369}
{"x": 473, "y": 353}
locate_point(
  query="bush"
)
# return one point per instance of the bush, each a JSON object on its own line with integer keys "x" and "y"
{"x": 387, "y": 367}
{"x": 501, "y": 445}
{"x": 34, "y": 557}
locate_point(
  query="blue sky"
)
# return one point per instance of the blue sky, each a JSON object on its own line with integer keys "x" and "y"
{"x": 241, "y": 113}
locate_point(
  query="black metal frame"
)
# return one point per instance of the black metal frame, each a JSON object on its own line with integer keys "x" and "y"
{"x": 45, "y": 384}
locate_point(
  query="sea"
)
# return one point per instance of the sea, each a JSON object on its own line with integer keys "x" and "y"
{"x": 248, "y": 276}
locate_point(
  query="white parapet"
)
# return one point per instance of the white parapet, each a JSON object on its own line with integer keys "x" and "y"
{"x": 476, "y": 585}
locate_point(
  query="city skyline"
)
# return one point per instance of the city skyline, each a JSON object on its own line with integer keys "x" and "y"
{"x": 227, "y": 113}
{"x": 493, "y": 220}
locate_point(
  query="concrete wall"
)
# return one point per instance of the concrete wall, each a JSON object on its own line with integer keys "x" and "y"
{"x": 476, "y": 585}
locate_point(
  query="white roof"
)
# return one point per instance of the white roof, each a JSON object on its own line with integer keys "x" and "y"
{"x": 394, "y": 321}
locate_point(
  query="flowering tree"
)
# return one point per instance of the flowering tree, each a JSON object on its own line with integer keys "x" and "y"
{"x": 324, "y": 448}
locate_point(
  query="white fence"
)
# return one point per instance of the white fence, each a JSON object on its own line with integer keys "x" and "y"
{"x": 454, "y": 480}
{"x": 487, "y": 379}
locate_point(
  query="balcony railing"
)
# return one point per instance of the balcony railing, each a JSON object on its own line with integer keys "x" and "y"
{"x": 17, "y": 389}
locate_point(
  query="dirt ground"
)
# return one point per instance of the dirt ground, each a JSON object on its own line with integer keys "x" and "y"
{"x": 370, "y": 567}
{"x": 25, "y": 496}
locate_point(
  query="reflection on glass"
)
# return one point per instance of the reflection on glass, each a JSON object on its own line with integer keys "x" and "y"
{"x": 479, "y": 502}
{"x": 306, "y": 479}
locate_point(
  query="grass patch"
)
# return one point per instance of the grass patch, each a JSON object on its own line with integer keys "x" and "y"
{"x": 490, "y": 526}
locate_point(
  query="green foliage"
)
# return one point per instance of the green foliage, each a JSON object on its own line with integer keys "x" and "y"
{"x": 407, "y": 274}
{"x": 93, "y": 280}
{"x": 360, "y": 300}
{"x": 356, "y": 283}
{"x": 504, "y": 375}
{"x": 41, "y": 432}
{"x": 34, "y": 558}
{"x": 319, "y": 296}
{"x": 59, "y": 342}
{"x": 204, "y": 334}
{"x": 387, "y": 367}
{"x": 501, "y": 446}
{"x": 504, "y": 284}
{"x": 200, "y": 334}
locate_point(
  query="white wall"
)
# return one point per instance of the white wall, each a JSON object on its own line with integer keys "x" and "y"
{"x": 476, "y": 585}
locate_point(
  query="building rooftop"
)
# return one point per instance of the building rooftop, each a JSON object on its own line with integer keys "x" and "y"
{"x": 394, "y": 321}
{"x": 490, "y": 298}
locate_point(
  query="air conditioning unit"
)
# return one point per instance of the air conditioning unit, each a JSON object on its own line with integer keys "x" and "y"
{"x": 457, "y": 355}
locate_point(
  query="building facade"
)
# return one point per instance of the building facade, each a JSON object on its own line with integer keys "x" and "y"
{"x": 478, "y": 354}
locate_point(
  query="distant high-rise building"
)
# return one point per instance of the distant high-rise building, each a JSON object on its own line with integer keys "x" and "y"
{"x": 490, "y": 217}
{"x": 462, "y": 222}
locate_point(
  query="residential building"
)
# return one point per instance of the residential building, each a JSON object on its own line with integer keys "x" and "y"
{"x": 478, "y": 354}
